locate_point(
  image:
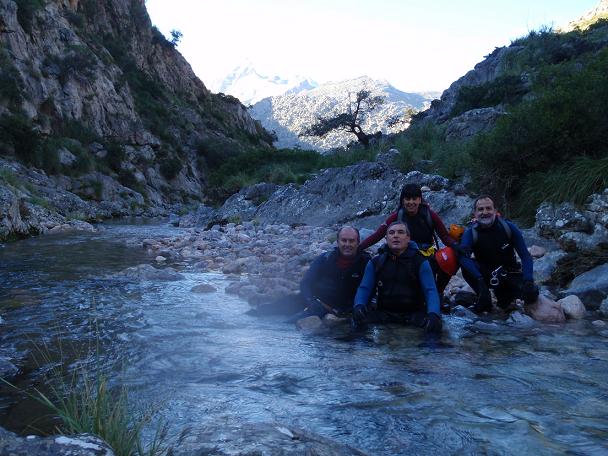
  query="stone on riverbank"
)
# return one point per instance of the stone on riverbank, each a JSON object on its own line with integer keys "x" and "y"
{"x": 591, "y": 287}
{"x": 203, "y": 288}
{"x": 149, "y": 272}
{"x": 573, "y": 307}
{"x": 546, "y": 310}
{"x": 310, "y": 324}
{"x": 77, "y": 445}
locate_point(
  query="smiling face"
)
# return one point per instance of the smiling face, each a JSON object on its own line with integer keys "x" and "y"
{"x": 397, "y": 238}
{"x": 348, "y": 241}
{"x": 485, "y": 212}
{"x": 411, "y": 204}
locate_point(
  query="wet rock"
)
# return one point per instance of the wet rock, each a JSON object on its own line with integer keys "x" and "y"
{"x": 74, "y": 225}
{"x": 77, "y": 445}
{"x": 7, "y": 368}
{"x": 572, "y": 307}
{"x": 310, "y": 324}
{"x": 599, "y": 323}
{"x": 149, "y": 272}
{"x": 203, "y": 288}
{"x": 546, "y": 265}
{"x": 486, "y": 327}
{"x": 160, "y": 259}
{"x": 604, "y": 307}
{"x": 546, "y": 310}
{"x": 333, "y": 320}
{"x": 260, "y": 439}
{"x": 591, "y": 287}
{"x": 463, "y": 312}
{"x": 519, "y": 319}
{"x": 537, "y": 251}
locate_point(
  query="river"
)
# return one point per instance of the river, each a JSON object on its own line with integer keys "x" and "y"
{"x": 204, "y": 363}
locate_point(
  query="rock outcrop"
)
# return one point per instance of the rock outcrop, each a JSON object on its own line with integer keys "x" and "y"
{"x": 78, "y": 445}
{"x": 96, "y": 97}
{"x": 362, "y": 194}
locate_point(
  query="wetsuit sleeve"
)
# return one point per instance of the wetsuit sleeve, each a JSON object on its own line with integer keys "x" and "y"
{"x": 429, "y": 288}
{"x": 310, "y": 277}
{"x": 517, "y": 240}
{"x": 378, "y": 234}
{"x": 466, "y": 243}
{"x": 367, "y": 285}
{"x": 441, "y": 230}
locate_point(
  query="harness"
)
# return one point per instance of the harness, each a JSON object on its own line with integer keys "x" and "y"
{"x": 424, "y": 211}
{"x": 505, "y": 227}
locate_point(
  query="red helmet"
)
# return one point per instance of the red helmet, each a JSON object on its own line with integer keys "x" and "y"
{"x": 447, "y": 261}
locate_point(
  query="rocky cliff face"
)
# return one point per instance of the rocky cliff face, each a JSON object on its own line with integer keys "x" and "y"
{"x": 91, "y": 87}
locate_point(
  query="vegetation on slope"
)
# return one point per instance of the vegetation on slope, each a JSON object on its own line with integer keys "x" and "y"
{"x": 551, "y": 145}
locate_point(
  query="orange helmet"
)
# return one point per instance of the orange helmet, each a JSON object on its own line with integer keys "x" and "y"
{"x": 447, "y": 261}
{"x": 456, "y": 231}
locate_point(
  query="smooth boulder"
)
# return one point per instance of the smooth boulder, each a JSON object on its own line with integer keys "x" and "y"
{"x": 546, "y": 310}
{"x": 573, "y": 307}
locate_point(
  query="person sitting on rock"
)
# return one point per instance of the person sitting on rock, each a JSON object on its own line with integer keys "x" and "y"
{"x": 331, "y": 282}
{"x": 494, "y": 241}
{"x": 402, "y": 280}
{"x": 423, "y": 224}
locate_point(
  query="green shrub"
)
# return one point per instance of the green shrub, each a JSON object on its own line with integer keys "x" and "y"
{"x": 115, "y": 156}
{"x": 506, "y": 89}
{"x": 26, "y": 10}
{"x": 23, "y": 141}
{"x": 10, "y": 81}
{"x": 170, "y": 167}
{"x": 563, "y": 124}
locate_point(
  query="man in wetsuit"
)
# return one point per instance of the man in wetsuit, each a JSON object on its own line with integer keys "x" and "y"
{"x": 405, "y": 286}
{"x": 494, "y": 241}
{"x": 330, "y": 284}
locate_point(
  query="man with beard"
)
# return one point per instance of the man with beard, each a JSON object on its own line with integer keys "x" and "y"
{"x": 494, "y": 241}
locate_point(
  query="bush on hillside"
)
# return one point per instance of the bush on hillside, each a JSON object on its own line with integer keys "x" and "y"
{"x": 565, "y": 123}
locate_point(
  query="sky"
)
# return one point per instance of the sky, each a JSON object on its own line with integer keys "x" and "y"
{"x": 416, "y": 45}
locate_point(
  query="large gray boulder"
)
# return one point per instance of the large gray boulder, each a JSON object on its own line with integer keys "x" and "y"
{"x": 471, "y": 123}
{"x": 553, "y": 220}
{"x": 61, "y": 445}
{"x": 591, "y": 287}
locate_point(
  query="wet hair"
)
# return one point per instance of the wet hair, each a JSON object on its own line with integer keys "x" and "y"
{"x": 481, "y": 197}
{"x": 352, "y": 228}
{"x": 397, "y": 222}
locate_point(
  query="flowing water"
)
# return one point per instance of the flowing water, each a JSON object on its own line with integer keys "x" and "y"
{"x": 204, "y": 363}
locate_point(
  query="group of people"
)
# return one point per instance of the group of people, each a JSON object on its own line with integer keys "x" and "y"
{"x": 405, "y": 281}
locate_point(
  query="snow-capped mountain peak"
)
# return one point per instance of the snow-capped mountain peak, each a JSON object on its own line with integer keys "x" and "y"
{"x": 249, "y": 86}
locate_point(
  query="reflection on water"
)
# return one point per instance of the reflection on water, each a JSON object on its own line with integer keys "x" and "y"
{"x": 207, "y": 364}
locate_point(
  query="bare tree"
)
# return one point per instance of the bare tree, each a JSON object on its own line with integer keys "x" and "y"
{"x": 349, "y": 121}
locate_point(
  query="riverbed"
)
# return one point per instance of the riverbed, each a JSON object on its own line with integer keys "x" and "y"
{"x": 205, "y": 364}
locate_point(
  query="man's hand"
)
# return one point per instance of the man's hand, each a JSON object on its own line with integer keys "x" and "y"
{"x": 529, "y": 292}
{"x": 432, "y": 324}
{"x": 359, "y": 313}
{"x": 460, "y": 252}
